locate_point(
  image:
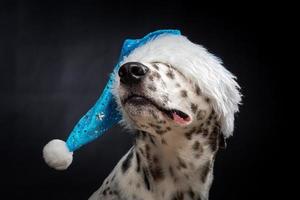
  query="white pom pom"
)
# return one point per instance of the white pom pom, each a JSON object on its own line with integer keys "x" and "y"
{"x": 57, "y": 155}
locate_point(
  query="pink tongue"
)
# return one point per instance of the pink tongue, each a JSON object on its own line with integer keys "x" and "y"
{"x": 179, "y": 120}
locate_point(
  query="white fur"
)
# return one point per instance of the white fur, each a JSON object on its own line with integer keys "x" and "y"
{"x": 193, "y": 60}
{"x": 57, "y": 155}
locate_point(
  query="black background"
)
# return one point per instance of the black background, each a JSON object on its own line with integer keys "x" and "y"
{"x": 55, "y": 59}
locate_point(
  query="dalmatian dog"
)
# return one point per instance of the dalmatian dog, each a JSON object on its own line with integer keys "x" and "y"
{"x": 179, "y": 102}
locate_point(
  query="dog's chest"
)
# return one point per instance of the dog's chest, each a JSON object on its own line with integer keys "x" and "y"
{"x": 136, "y": 178}
{"x": 175, "y": 166}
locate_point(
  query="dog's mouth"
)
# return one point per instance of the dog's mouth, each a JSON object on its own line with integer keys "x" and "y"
{"x": 174, "y": 114}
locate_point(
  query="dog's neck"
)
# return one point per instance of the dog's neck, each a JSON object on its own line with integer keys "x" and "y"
{"x": 179, "y": 161}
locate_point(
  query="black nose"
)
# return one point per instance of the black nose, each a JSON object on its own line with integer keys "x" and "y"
{"x": 132, "y": 72}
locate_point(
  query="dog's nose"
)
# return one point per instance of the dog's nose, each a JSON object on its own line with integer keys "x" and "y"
{"x": 132, "y": 72}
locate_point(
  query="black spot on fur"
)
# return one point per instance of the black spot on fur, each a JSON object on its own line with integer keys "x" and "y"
{"x": 178, "y": 196}
{"x": 170, "y": 74}
{"x": 153, "y": 113}
{"x": 191, "y": 193}
{"x": 205, "y": 132}
{"x": 200, "y": 115}
{"x": 163, "y": 141}
{"x": 138, "y": 185}
{"x": 177, "y": 85}
{"x": 151, "y": 78}
{"x": 205, "y": 171}
{"x": 208, "y": 122}
{"x": 152, "y": 88}
{"x": 155, "y": 159}
{"x": 200, "y": 127}
{"x": 155, "y": 66}
{"x": 194, "y": 107}
{"x": 147, "y": 151}
{"x": 138, "y": 162}
{"x": 198, "y": 149}
{"x": 197, "y": 90}
{"x": 216, "y": 130}
{"x": 165, "y": 99}
{"x": 156, "y": 75}
{"x": 142, "y": 151}
{"x": 196, "y": 145}
{"x": 144, "y": 126}
{"x": 188, "y": 134}
{"x": 154, "y": 126}
{"x": 152, "y": 140}
{"x": 160, "y": 132}
{"x": 181, "y": 163}
{"x": 127, "y": 162}
{"x": 197, "y": 155}
{"x": 113, "y": 177}
{"x": 214, "y": 144}
{"x": 156, "y": 172}
{"x": 213, "y": 112}
{"x": 161, "y": 121}
{"x": 106, "y": 190}
{"x": 210, "y": 116}
{"x": 115, "y": 192}
{"x": 183, "y": 93}
{"x": 171, "y": 171}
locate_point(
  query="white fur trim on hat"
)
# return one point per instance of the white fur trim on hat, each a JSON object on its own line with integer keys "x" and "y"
{"x": 57, "y": 155}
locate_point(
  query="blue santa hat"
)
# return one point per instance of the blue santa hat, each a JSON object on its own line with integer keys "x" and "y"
{"x": 102, "y": 116}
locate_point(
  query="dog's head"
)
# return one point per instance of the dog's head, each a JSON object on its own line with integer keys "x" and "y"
{"x": 172, "y": 83}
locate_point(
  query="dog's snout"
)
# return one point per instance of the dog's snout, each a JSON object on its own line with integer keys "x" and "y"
{"x": 132, "y": 72}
